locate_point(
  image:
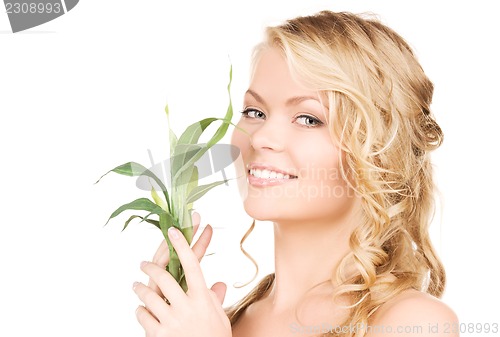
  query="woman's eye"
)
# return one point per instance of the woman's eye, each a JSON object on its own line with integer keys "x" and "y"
{"x": 309, "y": 121}
{"x": 253, "y": 113}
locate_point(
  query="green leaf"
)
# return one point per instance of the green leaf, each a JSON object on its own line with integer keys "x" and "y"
{"x": 154, "y": 222}
{"x": 187, "y": 226}
{"x": 185, "y": 179}
{"x": 187, "y": 146}
{"x": 221, "y": 131}
{"x": 166, "y": 221}
{"x": 180, "y": 190}
{"x": 158, "y": 200}
{"x": 133, "y": 169}
{"x": 201, "y": 190}
{"x": 171, "y": 135}
{"x": 193, "y": 183}
{"x": 142, "y": 204}
{"x": 172, "y": 140}
{"x": 193, "y": 132}
{"x": 192, "y": 136}
{"x": 182, "y": 154}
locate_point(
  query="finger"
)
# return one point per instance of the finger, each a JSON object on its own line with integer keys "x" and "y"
{"x": 219, "y": 289}
{"x": 189, "y": 261}
{"x": 147, "y": 321}
{"x": 165, "y": 282}
{"x": 155, "y": 304}
{"x": 201, "y": 245}
{"x": 161, "y": 254}
{"x": 160, "y": 258}
{"x": 195, "y": 220}
{"x": 154, "y": 287}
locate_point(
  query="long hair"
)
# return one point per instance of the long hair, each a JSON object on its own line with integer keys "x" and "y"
{"x": 379, "y": 115}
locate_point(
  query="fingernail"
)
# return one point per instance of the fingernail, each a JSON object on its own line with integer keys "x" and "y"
{"x": 135, "y": 285}
{"x": 144, "y": 263}
{"x": 196, "y": 216}
{"x": 137, "y": 310}
{"x": 173, "y": 232}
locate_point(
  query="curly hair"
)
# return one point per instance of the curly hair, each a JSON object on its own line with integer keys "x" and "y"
{"x": 379, "y": 100}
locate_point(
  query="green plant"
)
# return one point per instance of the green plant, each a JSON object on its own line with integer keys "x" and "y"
{"x": 174, "y": 208}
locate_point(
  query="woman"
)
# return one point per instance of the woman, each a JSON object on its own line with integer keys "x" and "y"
{"x": 339, "y": 132}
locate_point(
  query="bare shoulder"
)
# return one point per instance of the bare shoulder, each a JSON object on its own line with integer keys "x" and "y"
{"x": 414, "y": 313}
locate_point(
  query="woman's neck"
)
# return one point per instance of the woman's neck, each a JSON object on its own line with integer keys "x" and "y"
{"x": 306, "y": 255}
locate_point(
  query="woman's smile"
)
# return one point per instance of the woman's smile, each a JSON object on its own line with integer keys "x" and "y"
{"x": 291, "y": 163}
{"x": 267, "y": 175}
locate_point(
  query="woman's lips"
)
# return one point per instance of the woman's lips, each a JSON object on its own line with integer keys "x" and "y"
{"x": 255, "y": 181}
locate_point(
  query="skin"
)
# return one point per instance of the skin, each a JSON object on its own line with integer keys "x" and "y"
{"x": 305, "y": 224}
{"x": 200, "y": 309}
{"x": 311, "y": 232}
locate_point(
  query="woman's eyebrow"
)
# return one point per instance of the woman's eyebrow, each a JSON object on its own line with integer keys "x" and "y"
{"x": 299, "y": 99}
{"x": 291, "y": 101}
{"x": 255, "y": 96}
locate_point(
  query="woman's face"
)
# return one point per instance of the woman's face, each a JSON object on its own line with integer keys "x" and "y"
{"x": 291, "y": 166}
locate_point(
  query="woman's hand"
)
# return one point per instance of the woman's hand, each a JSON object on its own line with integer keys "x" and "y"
{"x": 198, "y": 312}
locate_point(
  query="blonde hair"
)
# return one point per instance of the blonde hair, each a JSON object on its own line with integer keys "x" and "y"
{"x": 379, "y": 114}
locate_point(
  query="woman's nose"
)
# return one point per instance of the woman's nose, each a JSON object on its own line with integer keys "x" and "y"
{"x": 269, "y": 135}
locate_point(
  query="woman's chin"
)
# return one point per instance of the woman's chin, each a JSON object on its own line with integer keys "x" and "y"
{"x": 258, "y": 210}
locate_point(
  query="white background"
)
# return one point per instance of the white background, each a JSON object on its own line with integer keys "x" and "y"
{"x": 85, "y": 93}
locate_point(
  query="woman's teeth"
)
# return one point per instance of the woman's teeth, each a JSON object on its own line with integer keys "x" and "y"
{"x": 267, "y": 174}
